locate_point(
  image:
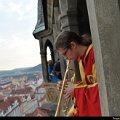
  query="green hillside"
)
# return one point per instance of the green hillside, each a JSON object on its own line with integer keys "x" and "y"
{"x": 20, "y": 71}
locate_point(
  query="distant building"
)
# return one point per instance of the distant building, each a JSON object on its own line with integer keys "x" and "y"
{"x": 8, "y": 108}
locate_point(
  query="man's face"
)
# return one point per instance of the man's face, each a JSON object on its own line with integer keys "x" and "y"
{"x": 68, "y": 53}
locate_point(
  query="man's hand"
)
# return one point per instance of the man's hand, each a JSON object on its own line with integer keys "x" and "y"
{"x": 68, "y": 89}
{"x": 59, "y": 85}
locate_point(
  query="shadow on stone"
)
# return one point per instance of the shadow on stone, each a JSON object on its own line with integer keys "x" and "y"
{"x": 50, "y": 108}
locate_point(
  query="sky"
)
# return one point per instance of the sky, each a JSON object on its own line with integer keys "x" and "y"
{"x": 18, "y": 47}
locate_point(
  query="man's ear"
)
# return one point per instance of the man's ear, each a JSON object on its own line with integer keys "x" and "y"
{"x": 73, "y": 44}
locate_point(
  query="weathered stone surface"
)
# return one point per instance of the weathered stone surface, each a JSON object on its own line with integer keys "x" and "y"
{"x": 104, "y": 16}
{"x": 50, "y": 108}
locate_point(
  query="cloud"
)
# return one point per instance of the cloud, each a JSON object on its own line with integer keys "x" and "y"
{"x": 18, "y": 47}
{"x": 19, "y": 52}
{"x": 21, "y": 8}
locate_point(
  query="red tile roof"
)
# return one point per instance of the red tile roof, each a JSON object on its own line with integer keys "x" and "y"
{"x": 4, "y": 105}
{"x": 2, "y": 97}
{"x": 25, "y": 90}
{"x": 6, "y": 91}
{"x": 14, "y": 98}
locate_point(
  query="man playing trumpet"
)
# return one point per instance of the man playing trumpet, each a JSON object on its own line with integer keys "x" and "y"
{"x": 85, "y": 92}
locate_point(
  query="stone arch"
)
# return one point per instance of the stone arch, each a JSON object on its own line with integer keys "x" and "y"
{"x": 49, "y": 44}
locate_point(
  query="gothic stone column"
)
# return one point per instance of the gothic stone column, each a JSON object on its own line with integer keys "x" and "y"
{"x": 43, "y": 62}
{"x": 68, "y": 20}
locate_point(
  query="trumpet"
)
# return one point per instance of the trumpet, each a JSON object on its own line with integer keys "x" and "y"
{"x": 61, "y": 92}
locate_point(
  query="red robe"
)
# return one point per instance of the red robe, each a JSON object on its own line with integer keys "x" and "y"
{"x": 86, "y": 94}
